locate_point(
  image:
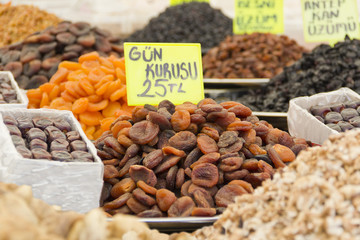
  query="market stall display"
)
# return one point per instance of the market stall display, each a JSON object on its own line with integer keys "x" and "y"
{"x": 189, "y": 159}
{"x": 35, "y": 60}
{"x": 19, "y": 21}
{"x": 256, "y": 55}
{"x": 94, "y": 89}
{"x": 324, "y": 69}
{"x": 193, "y": 22}
{"x": 314, "y": 197}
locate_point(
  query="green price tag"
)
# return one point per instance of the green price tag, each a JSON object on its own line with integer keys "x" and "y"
{"x": 177, "y": 2}
{"x": 258, "y": 16}
{"x": 330, "y": 21}
{"x": 159, "y": 71}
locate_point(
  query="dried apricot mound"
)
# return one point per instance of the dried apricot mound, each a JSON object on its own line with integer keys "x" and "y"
{"x": 188, "y": 160}
{"x": 94, "y": 89}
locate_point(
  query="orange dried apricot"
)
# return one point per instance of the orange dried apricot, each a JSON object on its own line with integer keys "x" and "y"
{"x": 70, "y": 65}
{"x": 111, "y": 109}
{"x": 95, "y": 107}
{"x": 80, "y": 105}
{"x": 91, "y": 118}
{"x": 59, "y": 76}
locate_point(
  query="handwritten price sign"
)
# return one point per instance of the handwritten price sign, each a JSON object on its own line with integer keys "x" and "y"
{"x": 258, "y": 16}
{"x": 158, "y": 71}
{"x": 330, "y": 20}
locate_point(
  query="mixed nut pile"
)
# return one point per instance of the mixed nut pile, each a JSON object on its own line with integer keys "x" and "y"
{"x": 189, "y": 159}
{"x": 43, "y": 138}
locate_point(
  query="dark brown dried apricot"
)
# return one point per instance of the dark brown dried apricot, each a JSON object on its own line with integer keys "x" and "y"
{"x": 239, "y": 126}
{"x": 206, "y": 101}
{"x": 192, "y": 157}
{"x": 159, "y": 119}
{"x": 225, "y": 121}
{"x": 203, "y": 198}
{"x": 286, "y": 140}
{"x": 256, "y": 149}
{"x": 240, "y": 110}
{"x": 255, "y": 179}
{"x": 150, "y": 214}
{"x": 206, "y": 144}
{"x": 185, "y": 187}
{"x": 260, "y": 129}
{"x": 227, "y": 138}
{"x": 170, "y": 177}
{"x": 226, "y": 195}
{"x": 265, "y": 167}
{"x": 126, "y": 185}
{"x": 146, "y": 188}
{"x": 153, "y": 159}
{"x": 211, "y": 132}
{"x": 171, "y": 150}
{"x": 143, "y": 198}
{"x": 168, "y": 105}
{"x": 231, "y": 164}
{"x": 183, "y": 140}
{"x": 122, "y": 210}
{"x": 139, "y": 114}
{"x": 250, "y": 165}
{"x": 164, "y": 137}
{"x": 208, "y": 108}
{"x": 272, "y": 137}
{"x": 136, "y": 206}
{"x": 207, "y": 158}
{"x": 182, "y": 207}
{"x": 249, "y": 137}
{"x": 139, "y": 172}
{"x": 118, "y": 202}
{"x": 167, "y": 163}
{"x": 239, "y": 174}
{"x": 114, "y": 144}
{"x": 143, "y": 132}
{"x": 197, "y": 118}
{"x": 130, "y": 153}
{"x": 110, "y": 171}
{"x": 205, "y": 175}
{"x": 275, "y": 158}
{"x": 125, "y": 169}
{"x": 235, "y": 147}
{"x": 180, "y": 178}
{"x": 180, "y": 120}
{"x": 164, "y": 199}
{"x": 203, "y": 212}
{"x": 213, "y": 116}
{"x": 247, "y": 186}
{"x": 285, "y": 153}
{"x": 190, "y": 107}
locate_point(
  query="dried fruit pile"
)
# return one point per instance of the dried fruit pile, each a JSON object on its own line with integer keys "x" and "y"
{"x": 7, "y": 93}
{"x": 34, "y": 60}
{"x": 324, "y": 69}
{"x": 43, "y": 138}
{"x": 194, "y": 22}
{"x": 338, "y": 116}
{"x": 17, "y": 22}
{"x": 258, "y": 55}
{"x": 315, "y": 197}
{"x": 24, "y": 217}
{"x": 189, "y": 159}
{"x": 93, "y": 89}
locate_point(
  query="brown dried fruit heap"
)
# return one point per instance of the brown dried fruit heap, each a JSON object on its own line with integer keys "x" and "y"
{"x": 35, "y": 60}
{"x": 188, "y": 159}
{"x": 258, "y": 55}
{"x": 316, "y": 197}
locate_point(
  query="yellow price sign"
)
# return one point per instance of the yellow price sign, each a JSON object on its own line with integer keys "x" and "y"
{"x": 177, "y": 2}
{"x": 330, "y": 21}
{"x": 258, "y": 16}
{"x": 159, "y": 71}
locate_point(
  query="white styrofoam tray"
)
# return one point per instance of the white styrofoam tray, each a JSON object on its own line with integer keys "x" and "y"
{"x": 72, "y": 185}
{"x": 303, "y": 124}
{"x": 23, "y": 101}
